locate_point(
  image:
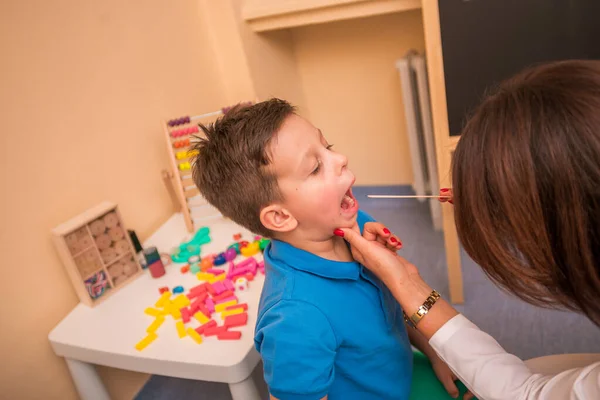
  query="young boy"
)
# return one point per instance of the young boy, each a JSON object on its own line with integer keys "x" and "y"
{"x": 327, "y": 327}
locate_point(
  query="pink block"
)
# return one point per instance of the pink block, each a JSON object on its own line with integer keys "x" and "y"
{"x": 261, "y": 267}
{"x": 210, "y": 304}
{"x": 247, "y": 261}
{"x": 227, "y": 299}
{"x": 215, "y": 271}
{"x": 230, "y": 269}
{"x": 228, "y": 285}
{"x": 219, "y": 287}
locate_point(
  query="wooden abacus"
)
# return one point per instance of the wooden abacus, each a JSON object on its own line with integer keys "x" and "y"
{"x": 179, "y": 134}
{"x": 97, "y": 252}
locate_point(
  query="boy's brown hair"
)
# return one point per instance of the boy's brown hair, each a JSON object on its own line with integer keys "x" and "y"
{"x": 526, "y": 178}
{"x": 231, "y": 166}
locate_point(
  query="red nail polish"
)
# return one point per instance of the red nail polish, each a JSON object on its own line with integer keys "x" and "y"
{"x": 338, "y": 232}
{"x": 399, "y": 243}
{"x": 451, "y": 201}
{"x": 386, "y": 231}
{"x": 444, "y": 190}
{"x": 393, "y": 240}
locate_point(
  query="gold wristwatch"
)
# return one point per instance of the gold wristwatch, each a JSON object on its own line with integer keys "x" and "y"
{"x": 422, "y": 310}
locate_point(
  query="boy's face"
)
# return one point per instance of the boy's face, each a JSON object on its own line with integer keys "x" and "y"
{"x": 314, "y": 180}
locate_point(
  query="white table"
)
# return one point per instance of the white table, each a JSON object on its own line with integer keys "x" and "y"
{"x": 107, "y": 333}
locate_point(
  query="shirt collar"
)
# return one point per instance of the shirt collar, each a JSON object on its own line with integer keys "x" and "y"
{"x": 304, "y": 261}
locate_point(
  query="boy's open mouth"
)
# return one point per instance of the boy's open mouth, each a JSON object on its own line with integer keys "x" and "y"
{"x": 348, "y": 201}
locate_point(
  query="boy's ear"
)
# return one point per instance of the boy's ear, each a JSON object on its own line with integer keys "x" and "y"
{"x": 277, "y": 218}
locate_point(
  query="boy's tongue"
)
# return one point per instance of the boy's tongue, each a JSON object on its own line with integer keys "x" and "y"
{"x": 347, "y": 202}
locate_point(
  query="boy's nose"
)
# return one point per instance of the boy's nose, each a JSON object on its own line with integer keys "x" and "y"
{"x": 342, "y": 162}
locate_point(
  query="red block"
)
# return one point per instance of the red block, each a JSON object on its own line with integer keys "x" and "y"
{"x": 210, "y": 289}
{"x": 209, "y": 324}
{"x": 236, "y": 320}
{"x": 229, "y": 335}
{"x": 198, "y": 289}
{"x": 163, "y": 289}
{"x": 242, "y": 305}
{"x": 185, "y": 314}
{"x": 214, "y": 331}
{"x": 224, "y": 295}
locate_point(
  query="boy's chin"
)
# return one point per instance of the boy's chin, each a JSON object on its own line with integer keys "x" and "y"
{"x": 347, "y": 221}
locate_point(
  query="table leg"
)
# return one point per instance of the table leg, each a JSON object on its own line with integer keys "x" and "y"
{"x": 244, "y": 390}
{"x": 88, "y": 383}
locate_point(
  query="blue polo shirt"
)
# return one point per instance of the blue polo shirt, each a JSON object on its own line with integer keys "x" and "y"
{"x": 330, "y": 328}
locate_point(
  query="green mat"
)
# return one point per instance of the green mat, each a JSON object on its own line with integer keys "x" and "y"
{"x": 425, "y": 385}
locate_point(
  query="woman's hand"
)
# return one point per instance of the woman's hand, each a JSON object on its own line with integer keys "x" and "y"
{"x": 376, "y": 256}
{"x": 377, "y": 232}
{"x": 446, "y": 195}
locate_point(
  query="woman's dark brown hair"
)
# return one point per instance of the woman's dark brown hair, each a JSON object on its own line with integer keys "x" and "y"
{"x": 526, "y": 179}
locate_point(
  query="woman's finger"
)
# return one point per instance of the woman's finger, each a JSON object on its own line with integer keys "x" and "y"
{"x": 446, "y": 195}
{"x": 373, "y": 230}
{"x": 394, "y": 243}
{"x": 450, "y": 387}
{"x": 468, "y": 395}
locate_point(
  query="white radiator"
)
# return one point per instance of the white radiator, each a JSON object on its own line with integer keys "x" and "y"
{"x": 417, "y": 109}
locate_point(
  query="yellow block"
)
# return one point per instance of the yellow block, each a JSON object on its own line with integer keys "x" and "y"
{"x": 153, "y": 312}
{"x": 142, "y": 344}
{"x": 163, "y": 299}
{"x": 156, "y": 324}
{"x": 200, "y": 317}
{"x": 205, "y": 276}
{"x": 194, "y": 335}
{"x": 180, "y": 329}
{"x": 222, "y": 306}
{"x": 220, "y": 277}
{"x": 235, "y": 311}
{"x": 181, "y": 301}
{"x": 174, "y": 311}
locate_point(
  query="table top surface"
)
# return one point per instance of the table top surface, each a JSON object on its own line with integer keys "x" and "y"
{"x": 107, "y": 333}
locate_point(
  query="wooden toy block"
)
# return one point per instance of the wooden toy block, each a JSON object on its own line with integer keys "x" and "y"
{"x": 223, "y": 295}
{"x": 210, "y": 305}
{"x": 225, "y": 300}
{"x": 209, "y": 324}
{"x": 142, "y": 344}
{"x": 194, "y": 335}
{"x": 163, "y": 299}
{"x": 236, "y": 320}
{"x": 185, "y": 314}
{"x": 156, "y": 324}
{"x": 221, "y": 307}
{"x": 229, "y": 335}
{"x": 153, "y": 312}
{"x": 201, "y": 317}
{"x": 97, "y": 253}
{"x": 234, "y": 311}
{"x": 243, "y": 306}
{"x": 180, "y": 329}
{"x": 214, "y": 330}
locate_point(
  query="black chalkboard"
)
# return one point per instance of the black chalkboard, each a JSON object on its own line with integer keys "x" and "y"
{"x": 487, "y": 41}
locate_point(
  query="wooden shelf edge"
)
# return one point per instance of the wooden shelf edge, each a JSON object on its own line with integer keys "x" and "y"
{"x": 264, "y": 18}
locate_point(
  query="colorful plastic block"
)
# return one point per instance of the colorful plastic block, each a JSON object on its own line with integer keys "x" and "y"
{"x": 214, "y": 330}
{"x": 142, "y": 344}
{"x": 262, "y": 244}
{"x": 153, "y": 312}
{"x": 261, "y": 267}
{"x": 243, "y": 306}
{"x": 163, "y": 299}
{"x": 215, "y": 271}
{"x": 219, "y": 287}
{"x": 209, "y": 324}
{"x": 185, "y": 314}
{"x": 250, "y": 250}
{"x": 228, "y": 285}
{"x": 194, "y": 335}
{"x": 203, "y": 276}
{"x": 225, "y": 300}
{"x": 223, "y": 295}
{"x": 178, "y": 289}
{"x": 241, "y": 284}
{"x": 163, "y": 289}
{"x": 206, "y": 263}
{"x": 237, "y": 236}
{"x": 236, "y": 320}
{"x": 185, "y": 269}
{"x": 195, "y": 268}
{"x": 180, "y": 329}
{"x": 210, "y": 305}
{"x": 234, "y": 311}
{"x": 156, "y": 324}
{"x": 221, "y": 307}
{"x": 229, "y": 335}
{"x": 219, "y": 278}
{"x": 181, "y": 301}
{"x": 200, "y": 317}
{"x": 220, "y": 259}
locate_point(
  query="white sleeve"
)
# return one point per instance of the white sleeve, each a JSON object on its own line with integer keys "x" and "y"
{"x": 493, "y": 374}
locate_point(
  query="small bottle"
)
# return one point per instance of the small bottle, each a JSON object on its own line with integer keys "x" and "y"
{"x": 139, "y": 250}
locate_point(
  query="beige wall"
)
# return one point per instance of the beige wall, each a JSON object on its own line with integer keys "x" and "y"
{"x": 353, "y": 90}
{"x": 84, "y": 86}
